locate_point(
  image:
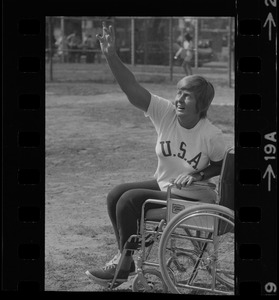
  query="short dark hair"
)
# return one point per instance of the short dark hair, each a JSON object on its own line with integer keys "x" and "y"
{"x": 188, "y": 36}
{"x": 202, "y": 89}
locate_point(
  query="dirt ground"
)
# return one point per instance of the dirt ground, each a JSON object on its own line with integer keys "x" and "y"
{"x": 95, "y": 140}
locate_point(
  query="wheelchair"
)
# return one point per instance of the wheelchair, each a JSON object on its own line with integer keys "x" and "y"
{"x": 195, "y": 242}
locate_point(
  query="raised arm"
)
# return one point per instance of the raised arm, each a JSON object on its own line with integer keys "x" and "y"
{"x": 135, "y": 93}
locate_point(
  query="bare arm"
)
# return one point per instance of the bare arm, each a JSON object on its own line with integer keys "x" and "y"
{"x": 135, "y": 93}
{"x": 214, "y": 169}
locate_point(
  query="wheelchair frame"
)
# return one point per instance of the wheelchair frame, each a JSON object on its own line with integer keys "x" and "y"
{"x": 162, "y": 230}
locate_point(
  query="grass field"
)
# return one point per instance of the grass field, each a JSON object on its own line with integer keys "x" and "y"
{"x": 100, "y": 73}
{"x": 95, "y": 140}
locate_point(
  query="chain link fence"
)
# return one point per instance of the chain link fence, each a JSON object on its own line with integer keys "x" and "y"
{"x": 147, "y": 44}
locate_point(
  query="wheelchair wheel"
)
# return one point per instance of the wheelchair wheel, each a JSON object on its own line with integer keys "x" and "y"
{"x": 203, "y": 237}
{"x": 153, "y": 278}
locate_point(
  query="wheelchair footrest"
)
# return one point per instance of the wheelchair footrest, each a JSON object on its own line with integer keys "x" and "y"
{"x": 132, "y": 245}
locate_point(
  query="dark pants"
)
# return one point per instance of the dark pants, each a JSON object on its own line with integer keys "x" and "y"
{"x": 124, "y": 204}
{"x": 90, "y": 57}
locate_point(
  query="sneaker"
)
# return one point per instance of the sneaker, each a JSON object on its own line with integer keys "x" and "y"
{"x": 105, "y": 275}
{"x": 115, "y": 260}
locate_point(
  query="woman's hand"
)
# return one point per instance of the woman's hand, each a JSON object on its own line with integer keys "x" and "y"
{"x": 107, "y": 40}
{"x": 186, "y": 179}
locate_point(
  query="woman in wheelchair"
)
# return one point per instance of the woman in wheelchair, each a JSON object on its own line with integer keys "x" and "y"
{"x": 189, "y": 148}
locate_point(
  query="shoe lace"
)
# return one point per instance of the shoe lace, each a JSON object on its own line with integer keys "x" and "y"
{"x": 111, "y": 266}
{"x": 114, "y": 260}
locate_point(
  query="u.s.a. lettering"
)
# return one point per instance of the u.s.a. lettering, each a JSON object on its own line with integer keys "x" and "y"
{"x": 167, "y": 152}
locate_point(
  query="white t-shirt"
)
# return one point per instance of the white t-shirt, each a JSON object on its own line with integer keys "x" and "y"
{"x": 187, "y": 45}
{"x": 178, "y": 149}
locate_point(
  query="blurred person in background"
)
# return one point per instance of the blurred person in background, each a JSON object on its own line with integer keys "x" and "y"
{"x": 189, "y": 148}
{"x": 62, "y": 49}
{"x": 74, "y": 46}
{"x": 186, "y": 53}
{"x": 89, "y": 46}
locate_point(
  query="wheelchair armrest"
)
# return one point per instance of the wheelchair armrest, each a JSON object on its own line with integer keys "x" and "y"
{"x": 156, "y": 201}
{"x": 205, "y": 183}
{"x": 195, "y": 183}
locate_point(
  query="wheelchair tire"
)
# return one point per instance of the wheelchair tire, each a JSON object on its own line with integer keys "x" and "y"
{"x": 214, "y": 256}
{"x": 154, "y": 280}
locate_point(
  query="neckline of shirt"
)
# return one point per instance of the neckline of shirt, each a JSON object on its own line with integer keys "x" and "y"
{"x": 195, "y": 128}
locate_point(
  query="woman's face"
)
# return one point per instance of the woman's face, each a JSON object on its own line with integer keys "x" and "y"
{"x": 185, "y": 104}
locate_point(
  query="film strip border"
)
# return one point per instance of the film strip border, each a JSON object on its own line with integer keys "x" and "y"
{"x": 256, "y": 146}
{"x": 23, "y": 213}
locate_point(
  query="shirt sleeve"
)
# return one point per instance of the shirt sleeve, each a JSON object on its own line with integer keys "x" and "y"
{"x": 217, "y": 147}
{"x": 158, "y": 109}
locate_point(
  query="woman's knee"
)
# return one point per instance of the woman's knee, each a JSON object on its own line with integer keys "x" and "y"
{"x": 117, "y": 192}
{"x": 128, "y": 203}
{"x": 114, "y": 194}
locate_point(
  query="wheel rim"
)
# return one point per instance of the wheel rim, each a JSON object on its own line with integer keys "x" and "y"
{"x": 218, "y": 256}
